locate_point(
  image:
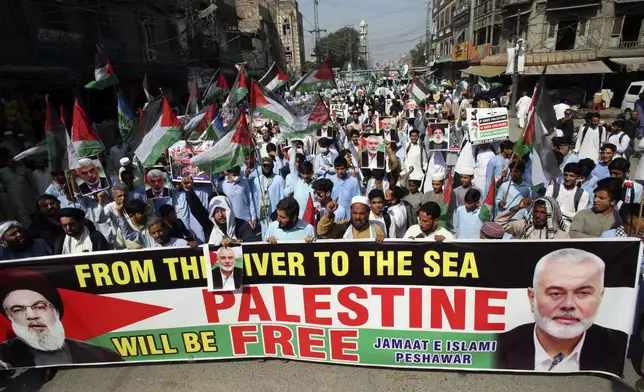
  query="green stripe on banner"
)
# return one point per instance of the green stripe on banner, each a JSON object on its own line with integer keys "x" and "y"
{"x": 379, "y": 347}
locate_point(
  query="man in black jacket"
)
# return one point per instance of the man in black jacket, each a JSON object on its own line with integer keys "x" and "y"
{"x": 45, "y": 223}
{"x": 568, "y": 286}
{"x": 79, "y": 236}
{"x": 225, "y": 275}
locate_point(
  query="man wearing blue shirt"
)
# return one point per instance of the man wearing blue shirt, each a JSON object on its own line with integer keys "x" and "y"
{"x": 301, "y": 185}
{"x": 324, "y": 161}
{"x": 497, "y": 167}
{"x": 288, "y": 227}
{"x": 345, "y": 187}
{"x": 631, "y": 190}
{"x": 518, "y": 189}
{"x": 469, "y": 223}
{"x": 239, "y": 193}
{"x": 606, "y": 155}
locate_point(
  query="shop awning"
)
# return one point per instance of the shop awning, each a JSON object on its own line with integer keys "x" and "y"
{"x": 590, "y": 67}
{"x": 632, "y": 64}
{"x": 487, "y": 71}
{"x": 543, "y": 58}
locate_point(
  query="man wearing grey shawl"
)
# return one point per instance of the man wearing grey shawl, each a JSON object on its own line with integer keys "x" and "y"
{"x": 544, "y": 221}
{"x": 226, "y": 227}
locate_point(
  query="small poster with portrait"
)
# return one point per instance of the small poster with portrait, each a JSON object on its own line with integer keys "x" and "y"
{"x": 90, "y": 177}
{"x": 180, "y": 154}
{"x": 226, "y": 266}
{"x": 438, "y": 137}
{"x": 157, "y": 184}
{"x": 488, "y": 125}
{"x": 373, "y": 152}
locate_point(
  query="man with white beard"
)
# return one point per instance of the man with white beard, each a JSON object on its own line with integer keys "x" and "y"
{"x": 34, "y": 308}
{"x": 226, "y": 276}
{"x": 568, "y": 286}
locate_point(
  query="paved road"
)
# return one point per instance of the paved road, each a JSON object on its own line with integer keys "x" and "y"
{"x": 275, "y": 375}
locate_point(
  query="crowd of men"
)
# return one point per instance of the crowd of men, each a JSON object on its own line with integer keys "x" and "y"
{"x": 330, "y": 185}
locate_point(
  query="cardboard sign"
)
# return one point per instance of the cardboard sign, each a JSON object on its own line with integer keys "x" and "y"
{"x": 180, "y": 154}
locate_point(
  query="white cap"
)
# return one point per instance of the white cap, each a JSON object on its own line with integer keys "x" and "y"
{"x": 360, "y": 200}
{"x": 8, "y": 133}
{"x": 438, "y": 176}
{"x": 84, "y": 162}
{"x": 125, "y": 161}
{"x": 468, "y": 171}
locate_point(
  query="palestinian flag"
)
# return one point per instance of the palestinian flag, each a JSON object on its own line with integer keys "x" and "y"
{"x": 274, "y": 79}
{"x": 192, "y": 108}
{"x": 309, "y": 212}
{"x": 215, "y": 130}
{"x": 239, "y": 91}
{"x": 309, "y": 120}
{"x": 39, "y": 151}
{"x": 125, "y": 117}
{"x": 85, "y": 139}
{"x": 487, "y": 209}
{"x": 229, "y": 151}
{"x": 202, "y": 121}
{"x": 146, "y": 90}
{"x": 269, "y": 107}
{"x": 373, "y": 83}
{"x": 103, "y": 73}
{"x": 316, "y": 80}
{"x": 216, "y": 90}
{"x": 418, "y": 89}
{"x": 163, "y": 134}
{"x": 62, "y": 154}
{"x": 541, "y": 120}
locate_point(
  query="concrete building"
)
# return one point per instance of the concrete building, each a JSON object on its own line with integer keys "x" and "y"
{"x": 291, "y": 32}
{"x": 443, "y": 13}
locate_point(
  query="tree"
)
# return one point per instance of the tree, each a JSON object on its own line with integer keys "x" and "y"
{"x": 417, "y": 55}
{"x": 341, "y": 46}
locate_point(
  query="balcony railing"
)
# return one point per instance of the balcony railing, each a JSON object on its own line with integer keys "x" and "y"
{"x": 630, "y": 44}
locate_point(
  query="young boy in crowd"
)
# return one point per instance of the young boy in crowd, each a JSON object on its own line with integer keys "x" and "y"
{"x": 469, "y": 222}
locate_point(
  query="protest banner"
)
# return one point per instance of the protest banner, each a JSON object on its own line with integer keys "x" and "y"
{"x": 180, "y": 154}
{"x": 417, "y": 305}
{"x": 487, "y": 125}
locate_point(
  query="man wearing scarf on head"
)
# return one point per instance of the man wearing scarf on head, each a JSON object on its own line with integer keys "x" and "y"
{"x": 16, "y": 244}
{"x": 358, "y": 227}
{"x": 545, "y": 221}
{"x": 227, "y": 229}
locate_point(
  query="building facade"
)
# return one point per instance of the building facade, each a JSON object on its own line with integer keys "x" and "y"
{"x": 291, "y": 31}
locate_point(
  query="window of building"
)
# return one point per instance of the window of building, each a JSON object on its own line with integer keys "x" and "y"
{"x": 566, "y": 35}
{"x": 286, "y": 29}
{"x": 617, "y": 26}
{"x": 582, "y": 28}
{"x": 288, "y": 58}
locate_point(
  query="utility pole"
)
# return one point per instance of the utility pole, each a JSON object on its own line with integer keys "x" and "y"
{"x": 428, "y": 31}
{"x": 316, "y": 30}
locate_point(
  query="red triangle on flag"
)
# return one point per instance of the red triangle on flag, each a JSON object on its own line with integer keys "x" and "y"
{"x": 242, "y": 135}
{"x": 242, "y": 78}
{"x": 168, "y": 118}
{"x": 87, "y": 316}
{"x": 221, "y": 81}
{"x": 280, "y": 74}
{"x": 309, "y": 212}
{"x": 447, "y": 194}
{"x": 325, "y": 72}
{"x": 81, "y": 126}
{"x": 257, "y": 95}
{"x": 210, "y": 115}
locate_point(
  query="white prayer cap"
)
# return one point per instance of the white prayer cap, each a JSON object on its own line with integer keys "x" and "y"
{"x": 264, "y": 127}
{"x": 360, "y": 200}
{"x": 468, "y": 171}
{"x": 6, "y": 225}
{"x": 20, "y": 135}
{"x": 8, "y": 133}
{"x": 125, "y": 161}
{"x": 438, "y": 176}
{"x": 84, "y": 162}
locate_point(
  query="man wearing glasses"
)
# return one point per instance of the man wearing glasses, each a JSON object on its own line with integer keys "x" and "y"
{"x": 35, "y": 309}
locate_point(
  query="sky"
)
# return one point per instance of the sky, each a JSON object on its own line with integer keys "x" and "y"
{"x": 394, "y": 27}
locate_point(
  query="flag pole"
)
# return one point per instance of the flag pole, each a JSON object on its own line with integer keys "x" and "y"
{"x": 545, "y": 67}
{"x": 257, "y": 159}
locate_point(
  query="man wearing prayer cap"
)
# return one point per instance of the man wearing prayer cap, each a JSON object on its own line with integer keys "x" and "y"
{"x": 492, "y": 231}
{"x": 18, "y": 244}
{"x": 457, "y": 198}
{"x": 358, "y": 227}
{"x": 89, "y": 172}
{"x": 132, "y": 166}
{"x": 437, "y": 195}
{"x": 35, "y": 308}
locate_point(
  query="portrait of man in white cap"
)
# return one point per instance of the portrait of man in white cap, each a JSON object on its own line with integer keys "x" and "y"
{"x": 91, "y": 177}
{"x": 157, "y": 181}
{"x": 35, "y": 309}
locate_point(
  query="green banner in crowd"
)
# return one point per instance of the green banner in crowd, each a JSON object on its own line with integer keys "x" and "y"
{"x": 559, "y": 306}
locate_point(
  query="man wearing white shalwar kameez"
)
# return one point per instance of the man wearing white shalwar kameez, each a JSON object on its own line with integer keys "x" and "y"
{"x": 522, "y": 107}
